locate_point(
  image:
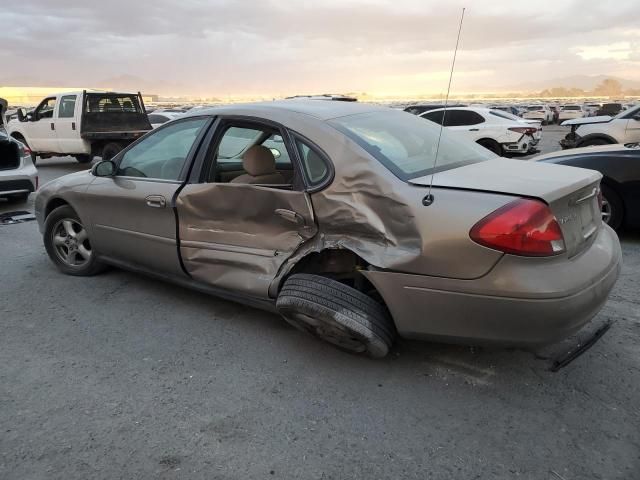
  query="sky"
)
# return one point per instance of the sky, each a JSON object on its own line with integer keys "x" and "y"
{"x": 285, "y": 47}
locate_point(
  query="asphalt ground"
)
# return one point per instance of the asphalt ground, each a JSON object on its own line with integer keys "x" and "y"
{"x": 120, "y": 376}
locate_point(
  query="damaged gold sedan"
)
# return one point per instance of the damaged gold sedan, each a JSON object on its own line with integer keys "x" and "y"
{"x": 355, "y": 222}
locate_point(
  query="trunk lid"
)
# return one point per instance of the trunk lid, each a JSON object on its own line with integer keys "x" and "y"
{"x": 587, "y": 120}
{"x": 570, "y": 192}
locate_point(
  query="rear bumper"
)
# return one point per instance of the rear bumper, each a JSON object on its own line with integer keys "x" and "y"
{"x": 18, "y": 181}
{"x": 522, "y": 301}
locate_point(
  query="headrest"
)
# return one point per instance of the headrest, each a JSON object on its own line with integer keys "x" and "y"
{"x": 259, "y": 160}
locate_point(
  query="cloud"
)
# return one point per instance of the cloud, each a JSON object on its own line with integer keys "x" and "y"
{"x": 284, "y": 46}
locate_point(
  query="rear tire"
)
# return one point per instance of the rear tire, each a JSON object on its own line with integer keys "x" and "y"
{"x": 612, "y": 207}
{"x": 492, "y": 145}
{"x": 338, "y": 314}
{"x": 67, "y": 243}
{"x": 110, "y": 150}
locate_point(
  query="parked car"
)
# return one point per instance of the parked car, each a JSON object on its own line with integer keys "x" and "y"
{"x": 592, "y": 109}
{"x": 419, "y": 109}
{"x": 538, "y": 112}
{"x": 570, "y": 112}
{"x": 497, "y": 131}
{"x": 610, "y": 109}
{"x": 623, "y": 128}
{"x": 82, "y": 124}
{"x": 342, "y": 234}
{"x": 555, "y": 110}
{"x": 620, "y": 169}
{"x": 160, "y": 118}
{"x": 18, "y": 174}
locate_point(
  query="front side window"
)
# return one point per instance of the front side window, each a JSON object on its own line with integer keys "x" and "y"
{"x": 162, "y": 154}
{"x": 67, "y": 106}
{"x": 406, "y": 144}
{"x": 45, "y": 109}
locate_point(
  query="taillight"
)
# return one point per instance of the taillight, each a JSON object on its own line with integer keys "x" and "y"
{"x": 525, "y": 130}
{"x": 523, "y": 227}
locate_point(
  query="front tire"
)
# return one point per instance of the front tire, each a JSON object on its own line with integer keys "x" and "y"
{"x": 67, "y": 243}
{"x": 84, "y": 158}
{"x": 337, "y": 314}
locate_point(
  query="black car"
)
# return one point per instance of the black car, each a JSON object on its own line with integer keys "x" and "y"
{"x": 620, "y": 187}
{"x": 419, "y": 109}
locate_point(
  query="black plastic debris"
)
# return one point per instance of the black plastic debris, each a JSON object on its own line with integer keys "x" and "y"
{"x": 20, "y": 216}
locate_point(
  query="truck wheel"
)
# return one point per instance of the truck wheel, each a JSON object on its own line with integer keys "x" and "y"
{"x": 110, "y": 150}
{"x": 21, "y": 139}
{"x": 68, "y": 245}
{"x": 84, "y": 158}
{"x": 337, "y": 314}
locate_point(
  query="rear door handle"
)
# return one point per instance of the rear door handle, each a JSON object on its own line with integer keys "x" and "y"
{"x": 53, "y": 127}
{"x": 474, "y": 129}
{"x": 156, "y": 201}
{"x": 290, "y": 216}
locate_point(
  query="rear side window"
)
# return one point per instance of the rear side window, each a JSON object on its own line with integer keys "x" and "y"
{"x": 67, "y": 106}
{"x": 455, "y": 118}
{"x": 113, "y": 103}
{"x": 315, "y": 167}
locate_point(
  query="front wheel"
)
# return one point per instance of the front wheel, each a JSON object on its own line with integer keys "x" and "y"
{"x": 84, "y": 158}
{"x": 337, "y": 314}
{"x": 67, "y": 243}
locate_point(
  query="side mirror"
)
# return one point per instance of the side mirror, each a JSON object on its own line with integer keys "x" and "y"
{"x": 22, "y": 115}
{"x": 104, "y": 169}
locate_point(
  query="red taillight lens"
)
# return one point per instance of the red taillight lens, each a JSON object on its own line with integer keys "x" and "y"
{"x": 523, "y": 227}
{"x": 525, "y": 130}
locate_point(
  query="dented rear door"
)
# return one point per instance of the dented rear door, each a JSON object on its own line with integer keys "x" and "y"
{"x": 237, "y": 236}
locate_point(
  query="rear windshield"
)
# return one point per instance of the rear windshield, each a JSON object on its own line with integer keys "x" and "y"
{"x": 571, "y": 107}
{"x": 407, "y": 144}
{"x": 535, "y": 107}
{"x": 120, "y": 103}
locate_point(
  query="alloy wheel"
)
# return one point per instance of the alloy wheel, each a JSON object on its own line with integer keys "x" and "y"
{"x": 71, "y": 242}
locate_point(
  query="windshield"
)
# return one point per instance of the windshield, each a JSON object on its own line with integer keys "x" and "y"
{"x": 406, "y": 144}
{"x": 571, "y": 107}
{"x": 535, "y": 107}
{"x": 630, "y": 112}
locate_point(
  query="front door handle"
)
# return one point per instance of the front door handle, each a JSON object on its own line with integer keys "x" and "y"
{"x": 474, "y": 129}
{"x": 290, "y": 216}
{"x": 53, "y": 127}
{"x": 156, "y": 201}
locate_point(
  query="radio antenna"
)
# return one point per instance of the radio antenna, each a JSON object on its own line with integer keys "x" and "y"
{"x": 428, "y": 200}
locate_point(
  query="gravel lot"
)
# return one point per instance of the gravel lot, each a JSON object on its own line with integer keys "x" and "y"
{"x": 120, "y": 376}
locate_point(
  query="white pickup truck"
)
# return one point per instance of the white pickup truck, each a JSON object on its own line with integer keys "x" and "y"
{"x": 83, "y": 124}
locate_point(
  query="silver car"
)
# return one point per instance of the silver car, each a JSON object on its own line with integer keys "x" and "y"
{"x": 18, "y": 174}
{"x": 324, "y": 212}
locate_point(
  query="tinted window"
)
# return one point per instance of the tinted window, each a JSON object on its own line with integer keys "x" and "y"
{"x": 406, "y": 144}
{"x": 67, "y": 106}
{"x": 163, "y": 153}
{"x": 112, "y": 103}
{"x": 314, "y": 166}
{"x": 455, "y": 118}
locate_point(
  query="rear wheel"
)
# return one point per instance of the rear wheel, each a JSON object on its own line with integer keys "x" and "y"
{"x": 110, "y": 150}
{"x": 67, "y": 243}
{"x": 612, "y": 208}
{"x": 492, "y": 145}
{"x": 336, "y": 313}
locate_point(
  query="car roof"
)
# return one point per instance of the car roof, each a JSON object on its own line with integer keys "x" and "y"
{"x": 471, "y": 109}
{"x": 322, "y": 110}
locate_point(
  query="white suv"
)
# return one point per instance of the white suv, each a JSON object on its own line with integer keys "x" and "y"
{"x": 623, "y": 128}
{"x": 498, "y": 131}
